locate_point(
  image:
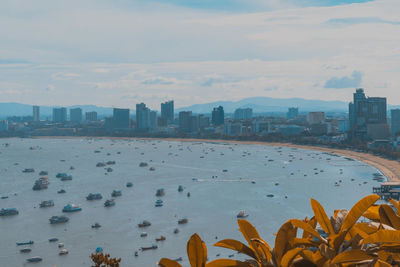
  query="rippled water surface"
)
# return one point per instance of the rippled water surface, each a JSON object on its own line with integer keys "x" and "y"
{"x": 252, "y": 172}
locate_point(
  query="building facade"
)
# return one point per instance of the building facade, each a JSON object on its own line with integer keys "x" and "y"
{"x": 185, "y": 121}
{"x": 36, "y": 113}
{"x": 167, "y": 111}
{"x": 316, "y": 117}
{"x": 395, "y": 122}
{"x": 218, "y": 116}
{"x": 75, "y": 115}
{"x": 142, "y": 117}
{"x": 59, "y": 115}
{"x": 121, "y": 120}
{"x": 292, "y": 113}
{"x": 243, "y": 113}
{"x": 91, "y": 116}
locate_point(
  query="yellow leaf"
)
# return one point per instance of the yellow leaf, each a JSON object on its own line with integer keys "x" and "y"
{"x": 304, "y": 242}
{"x": 283, "y": 239}
{"x": 248, "y": 230}
{"x": 354, "y": 255}
{"x": 321, "y": 217}
{"x": 197, "y": 251}
{"x": 396, "y": 205}
{"x": 236, "y": 245}
{"x": 306, "y": 227}
{"x": 372, "y": 213}
{"x": 164, "y": 262}
{"x": 289, "y": 256}
{"x": 227, "y": 263}
{"x": 380, "y": 263}
{"x": 389, "y": 217}
{"x": 383, "y": 236}
{"x": 262, "y": 248}
{"x": 313, "y": 223}
{"x": 357, "y": 211}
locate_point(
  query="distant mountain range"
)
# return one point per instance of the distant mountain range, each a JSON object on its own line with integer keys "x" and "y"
{"x": 258, "y": 104}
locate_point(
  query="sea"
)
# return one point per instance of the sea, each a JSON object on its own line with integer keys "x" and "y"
{"x": 270, "y": 184}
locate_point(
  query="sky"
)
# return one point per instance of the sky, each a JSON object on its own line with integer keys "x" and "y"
{"x": 117, "y": 53}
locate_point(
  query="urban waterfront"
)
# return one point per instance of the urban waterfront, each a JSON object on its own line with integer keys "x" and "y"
{"x": 222, "y": 180}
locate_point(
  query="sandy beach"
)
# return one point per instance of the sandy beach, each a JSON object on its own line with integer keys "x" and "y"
{"x": 390, "y": 168}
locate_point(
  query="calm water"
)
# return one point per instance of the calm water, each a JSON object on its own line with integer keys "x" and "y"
{"x": 211, "y": 209}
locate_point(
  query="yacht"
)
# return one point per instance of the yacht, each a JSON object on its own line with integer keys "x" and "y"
{"x": 71, "y": 208}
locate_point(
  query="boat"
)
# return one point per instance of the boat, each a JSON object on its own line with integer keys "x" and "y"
{"x": 54, "y": 239}
{"x": 4, "y": 197}
{"x": 100, "y": 164}
{"x": 34, "y": 259}
{"x": 25, "y": 250}
{"x": 61, "y": 191}
{"x": 71, "y": 208}
{"x": 99, "y": 250}
{"x": 63, "y": 252}
{"x": 242, "y": 214}
{"x": 94, "y": 196}
{"x": 46, "y": 203}
{"x": 96, "y": 225}
{"x": 144, "y": 224}
{"x": 160, "y": 192}
{"x": 161, "y": 238}
{"x": 180, "y": 188}
{"x": 136, "y": 253}
{"x": 25, "y": 243}
{"x": 148, "y": 248}
{"x": 60, "y": 245}
{"x": 143, "y": 164}
{"x": 176, "y": 230}
{"x": 109, "y": 169}
{"x": 41, "y": 183}
{"x": 28, "y": 170}
{"x": 66, "y": 178}
{"x": 144, "y": 234}
{"x": 270, "y": 195}
{"x": 9, "y": 212}
{"x": 58, "y": 219}
{"x": 116, "y": 193}
{"x": 159, "y": 203}
{"x": 43, "y": 173}
{"x": 110, "y": 162}
{"x": 109, "y": 203}
{"x": 152, "y": 168}
{"x": 62, "y": 175}
{"x": 183, "y": 221}
{"x": 129, "y": 184}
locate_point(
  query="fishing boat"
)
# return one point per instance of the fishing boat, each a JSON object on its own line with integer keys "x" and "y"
{"x": 25, "y": 250}
{"x": 66, "y": 178}
{"x": 143, "y": 164}
{"x": 28, "y": 170}
{"x": 144, "y": 224}
{"x": 160, "y": 192}
{"x": 144, "y": 234}
{"x": 129, "y": 184}
{"x": 183, "y": 221}
{"x": 34, "y": 259}
{"x": 116, "y": 193}
{"x": 43, "y": 173}
{"x": 148, "y": 248}
{"x": 159, "y": 203}
{"x": 41, "y": 183}
{"x": 95, "y": 196}
{"x": 58, "y": 219}
{"x": 53, "y": 239}
{"x": 242, "y": 214}
{"x": 71, "y": 208}
{"x": 96, "y": 225}
{"x": 63, "y": 175}
{"x": 161, "y": 238}
{"x": 61, "y": 191}
{"x": 25, "y": 243}
{"x": 9, "y": 212}
{"x": 46, "y": 203}
{"x": 100, "y": 164}
{"x": 180, "y": 188}
{"x": 152, "y": 168}
{"x": 63, "y": 252}
{"x": 109, "y": 203}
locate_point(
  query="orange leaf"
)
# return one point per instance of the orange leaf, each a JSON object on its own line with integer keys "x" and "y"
{"x": 236, "y": 245}
{"x": 321, "y": 217}
{"x": 197, "y": 251}
{"x": 354, "y": 255}
{"x": 164, "y": 262}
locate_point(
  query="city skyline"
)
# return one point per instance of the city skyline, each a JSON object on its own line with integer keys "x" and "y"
{"x": 197, "y": 53}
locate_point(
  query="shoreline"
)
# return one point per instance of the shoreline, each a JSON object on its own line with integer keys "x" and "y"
{"x": 390, "y": 168}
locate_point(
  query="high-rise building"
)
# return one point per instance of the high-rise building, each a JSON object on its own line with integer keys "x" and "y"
{"x": 185, "y": 121}
{"x": 243, "y": 113}
{"x": 167, "y": 111}
{"x": 36, "y": 113}
{"x": 142, "y": 117}
{"x": 366, "y": 110}
{"x": 91, "y": 116}
{"x": 218, "y": 116}
{"x": 121, "y": 120}
{"x": 292, "y": 113}
{"x": 395, "y": 122}
{"x": 75, "y": 114}
{"x": 153, "y": 120}
{"x": 59, "y": 114}
{"x": 316, "y": 117}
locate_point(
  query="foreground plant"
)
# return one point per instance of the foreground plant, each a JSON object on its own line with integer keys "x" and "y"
{"x": 340, "y": 241}
{"x": 104, "y": 260}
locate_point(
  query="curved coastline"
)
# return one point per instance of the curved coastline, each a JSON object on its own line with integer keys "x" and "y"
{"x": 390, "y": 168}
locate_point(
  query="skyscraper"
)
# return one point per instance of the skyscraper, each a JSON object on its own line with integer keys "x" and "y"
{"x": 75, "y": 114}
{"x": 316, "y": 117}
{"x": 59, "y": 114}
{"x": 395, "y": 121}
{"x": 292, "y": 113}
{"x": 185, "y": 121}
{"x": 142, "y": 117}
{"x": 36, "y": 113}
{"x": 167, "y": 111}
{"x": 243, "y": 113}
{"x": 153, "y": 120}
{"x": 218, "y": 116}
{"x": 91, "y": 116}
{"x": 121, "y": 120}
{"x": 364, "y": 111}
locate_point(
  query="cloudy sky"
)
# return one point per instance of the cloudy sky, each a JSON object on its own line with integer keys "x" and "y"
{"x": 117, "y": 53}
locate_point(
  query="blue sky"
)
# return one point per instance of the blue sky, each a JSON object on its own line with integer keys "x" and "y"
{"x": 121, "y": 52}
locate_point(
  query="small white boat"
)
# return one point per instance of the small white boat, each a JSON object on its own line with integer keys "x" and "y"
{"x": 63, "y": 252}
{"x": 242, "y": 214}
